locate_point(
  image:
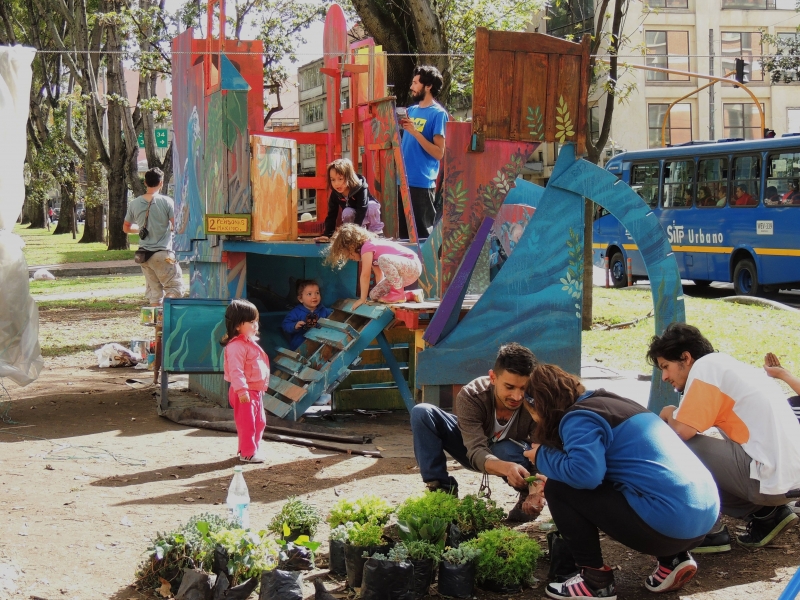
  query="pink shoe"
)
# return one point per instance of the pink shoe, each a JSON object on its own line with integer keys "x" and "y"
{"x": 393, "y": 296}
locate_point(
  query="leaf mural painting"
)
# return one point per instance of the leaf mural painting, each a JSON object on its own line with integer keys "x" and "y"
{"x": 535, "y": 123}
{"x": 563, "y": 122}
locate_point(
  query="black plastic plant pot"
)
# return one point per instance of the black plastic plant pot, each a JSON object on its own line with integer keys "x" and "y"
{"x": 500, "y": 587}
{"x": 280, "y": 585}
{"x": 338, "y": 565}
{"x": 424, "y": 572}
{"x": 387, "y": 580}
{"x": 354, "y": 561}
{"x": 296, "y": 533}
{"x": 455, "y": 536}
{"x": 457, "y": 580}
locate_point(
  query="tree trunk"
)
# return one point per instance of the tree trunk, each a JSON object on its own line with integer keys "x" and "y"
{"x": 37, "y": 214}
{"x": 93, "y": 226}
{"x": 66, "y": 218}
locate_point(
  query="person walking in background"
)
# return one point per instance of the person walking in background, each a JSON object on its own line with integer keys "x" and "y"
{"x": 423, "y": 146}
{"x": 152, "y": 216}
{"x": 246, "y": 368}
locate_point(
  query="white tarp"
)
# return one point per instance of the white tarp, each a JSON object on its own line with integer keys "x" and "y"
{"x": 20, "y": 355}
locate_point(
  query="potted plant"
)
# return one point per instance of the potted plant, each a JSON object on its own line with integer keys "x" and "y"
{"x": 300, "y": 517}
{"x": 388, "y": 575}
{"x": 506, "y": 561}
{"x": 457, "y": 570}
{"x": 473, "y": 515}
{"x": 365, "y": 509}
{"x": 423, "y": 527}
{"x": 362, "y": 539}
{"x": 336, "y": 543}
{"x": 436, "y": 505}
{"x": 424, "y": 556}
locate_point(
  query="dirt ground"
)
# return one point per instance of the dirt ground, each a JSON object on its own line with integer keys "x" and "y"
{"x": 89, "y": 473}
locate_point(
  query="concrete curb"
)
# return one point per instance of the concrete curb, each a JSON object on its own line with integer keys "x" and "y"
{"x": 760, "y": 302}
{"x": 86, "y": 271}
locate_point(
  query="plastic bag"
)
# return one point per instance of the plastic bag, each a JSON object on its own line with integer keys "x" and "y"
{"x": 354, "y": 561}
{"x": 387, "y": 580}
{"x": 43, "y": 275}
{"x": 296, "y": 558}
{"x": 195, "y": 585}
{"x": 280, "y": 585}
{"x": 457, "y": 580}
{"x": 424, "y": 572}
{"x": 115, "y": 355}
{"x": 337, "y": 566}
{"x": 456, "y": 537}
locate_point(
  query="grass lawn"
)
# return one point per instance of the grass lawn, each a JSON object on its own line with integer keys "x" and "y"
{"x": 44, "y": 248}
{"x": 745, "y": 332}
{"x": 64, "y": 285}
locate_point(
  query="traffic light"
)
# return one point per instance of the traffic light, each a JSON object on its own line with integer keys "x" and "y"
{"x": 740, "y": 74}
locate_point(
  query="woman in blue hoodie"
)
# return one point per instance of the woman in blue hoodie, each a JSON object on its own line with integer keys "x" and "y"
{"x": 611, "y": 465}
{"x": 350, "y": 194}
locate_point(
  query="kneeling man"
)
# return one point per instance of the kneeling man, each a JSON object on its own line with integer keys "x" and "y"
{"x": 488, "y": 433}
{"x": 756, "y": 463}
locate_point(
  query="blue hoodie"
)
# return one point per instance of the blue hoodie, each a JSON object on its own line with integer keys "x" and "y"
{"x": 301, "y": 313}
{"x": 609, "y": 438}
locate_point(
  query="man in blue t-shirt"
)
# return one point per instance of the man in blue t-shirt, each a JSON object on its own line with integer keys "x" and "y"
{"x": 423, "y": 145}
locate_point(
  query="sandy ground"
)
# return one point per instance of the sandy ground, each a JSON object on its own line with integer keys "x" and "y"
{"x": 89, "y": 473}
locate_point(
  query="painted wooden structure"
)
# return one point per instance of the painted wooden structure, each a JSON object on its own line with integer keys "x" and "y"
{"x": 225, "y": 164}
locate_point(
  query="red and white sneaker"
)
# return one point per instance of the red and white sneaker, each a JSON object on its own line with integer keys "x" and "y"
{"x": 672, "y": 576}
{"x": 393, "y": 296}
{"x": 578, "y": 587}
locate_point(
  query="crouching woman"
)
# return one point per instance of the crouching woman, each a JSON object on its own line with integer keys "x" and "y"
{"x": 614, "y": 466}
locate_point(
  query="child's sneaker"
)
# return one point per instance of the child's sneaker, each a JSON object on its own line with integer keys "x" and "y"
{"x": 415, "y": 296}
{"x": 762, "y": 530}
{"x": 258, "y": 457}
{"x": 672, "y": 576}
{"x": 589, "y": 583}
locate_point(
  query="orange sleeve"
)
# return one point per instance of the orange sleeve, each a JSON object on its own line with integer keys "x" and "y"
{"x": 701, "y": 405}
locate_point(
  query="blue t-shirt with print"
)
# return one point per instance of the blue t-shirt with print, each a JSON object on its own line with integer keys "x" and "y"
{"x": 421, "y": 168}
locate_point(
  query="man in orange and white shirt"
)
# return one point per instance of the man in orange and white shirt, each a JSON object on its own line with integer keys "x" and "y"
{"x": 756, "y": 462}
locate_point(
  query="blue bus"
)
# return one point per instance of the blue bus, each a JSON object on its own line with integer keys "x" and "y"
{"x": 731, "y": 211}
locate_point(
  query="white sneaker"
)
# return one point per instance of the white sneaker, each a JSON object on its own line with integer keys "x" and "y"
{"x": 256, "y": 458}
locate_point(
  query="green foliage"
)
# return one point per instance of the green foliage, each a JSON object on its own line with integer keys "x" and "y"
{"x": 297, "y": 515}
{"x": 249, "y": 553}
{"x": 369, "y": 534}
{"x": 365, "y": 509}
{"x": 429, "y": 529}
{"x": 398, "y": 553}
{"x": 507, "y": 556}
{"x": 434, "y": 505}
{"x": 783, "y": 65}
{"x": 477, "y": 514}
{"x": 421, "y": 550}
{"x": 466, "y": 552}
{"x": 341, "y": 533}
{"x": 171, "y": 552}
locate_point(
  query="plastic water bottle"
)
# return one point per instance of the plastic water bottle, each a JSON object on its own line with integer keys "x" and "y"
{"x": 239, "y": 499}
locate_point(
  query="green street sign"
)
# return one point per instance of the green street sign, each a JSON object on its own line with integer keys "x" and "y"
{"x": 140, "y": 139}
{"x": 161, "y": 138}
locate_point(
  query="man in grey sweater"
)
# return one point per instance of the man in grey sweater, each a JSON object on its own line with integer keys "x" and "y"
{"x": 488, "y": 432}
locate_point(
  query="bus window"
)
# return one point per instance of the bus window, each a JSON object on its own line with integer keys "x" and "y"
{"x": 644, "y": 181}
{"x": 712, "y": 183}
{"x": 745, "y": 180}
{"x": 783, "y": 180}
{"x": 678, "y": 184}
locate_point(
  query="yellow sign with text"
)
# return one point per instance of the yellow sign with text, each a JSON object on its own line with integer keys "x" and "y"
{"x": 227, "y": 224}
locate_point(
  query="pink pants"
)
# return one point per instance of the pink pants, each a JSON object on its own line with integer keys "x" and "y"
{"x": 398, "y": 272}
{"x": 250, "y": 421}
{"x": 372, "y": 220}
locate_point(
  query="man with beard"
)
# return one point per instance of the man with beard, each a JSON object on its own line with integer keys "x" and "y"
{"x": 423, "y": 146}
{"x": 488, "y": 432}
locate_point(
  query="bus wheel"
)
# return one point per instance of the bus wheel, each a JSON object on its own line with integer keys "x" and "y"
{"x": 619, "y": 275}
{"x": 745, "y": 278}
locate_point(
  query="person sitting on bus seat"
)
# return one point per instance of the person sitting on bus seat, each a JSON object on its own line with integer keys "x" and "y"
{"x": 722, "y": 195}
{"x": 687, "y": 198}
{"x": 743, "y": 198}
{"x": 792, "y": 196}
{"x": 704, "y": 197}
{"x": 771, "y": 195}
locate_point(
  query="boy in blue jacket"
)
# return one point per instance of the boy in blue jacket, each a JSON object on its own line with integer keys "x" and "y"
{"x": 305, "y": 315}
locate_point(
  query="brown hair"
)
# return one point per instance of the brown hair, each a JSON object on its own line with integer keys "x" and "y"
{"x": 553, "y": 391}
{"x": 238, "y": 312}
{"x": 348, "y": 238}
{"x": 344, "y": 168}
{"x": 303, "y": 284}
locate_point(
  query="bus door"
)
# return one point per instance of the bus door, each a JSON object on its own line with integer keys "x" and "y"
{"x": 679, "y": 219}
{"x": 708, "y": 225}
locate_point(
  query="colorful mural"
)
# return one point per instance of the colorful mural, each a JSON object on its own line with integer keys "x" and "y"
{"x": 509, "y": 225}
{"x": 273, "y": 171}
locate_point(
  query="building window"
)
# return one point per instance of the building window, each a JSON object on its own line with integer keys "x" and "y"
{"x": 346, "y": 138}
{"x": 310, "y": 78}
{"x": 667, "y": 50}
{"x": 570, "y": 18}
{"x": 793, "y": 120}
{"x": 759, "y": 4}
{"x": 311, "y": 112}
{"x": 742, "y": 121}
{"x": 307, "y": 151}
{"x": 679, "y": 124}
{"x": 594, "y": 123}
{"x": 344, "y": 98}
{"x": 667, "y": 3}
{"x": 735, "y": 45}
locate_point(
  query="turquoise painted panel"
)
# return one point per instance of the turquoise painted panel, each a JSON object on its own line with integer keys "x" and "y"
{"x": 534, "y": 300}
{"x": 662, "y": 269}
{"x": 231, "y": 79}
{"x": 525, "y": 192}
{"x": 192, "y": 330}
{"x": 430, "y": 279}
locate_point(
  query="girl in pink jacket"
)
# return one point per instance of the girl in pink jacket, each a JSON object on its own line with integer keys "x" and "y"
{"x": 247, "y": 370}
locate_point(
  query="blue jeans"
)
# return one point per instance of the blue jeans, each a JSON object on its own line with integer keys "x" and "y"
{"x": 436, "y": 432}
